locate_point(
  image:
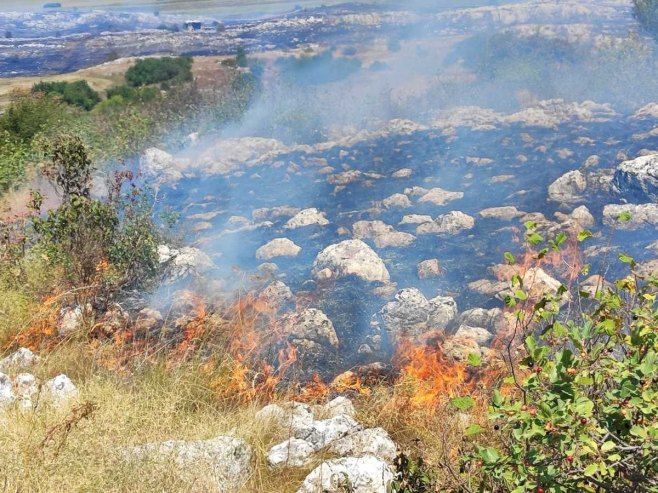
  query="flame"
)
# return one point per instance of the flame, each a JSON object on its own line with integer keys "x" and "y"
{"x": 431, "y": 377}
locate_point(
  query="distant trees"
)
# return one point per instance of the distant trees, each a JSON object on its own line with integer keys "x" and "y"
{"x": 77, "y": 93}
{"x": 646, "y": 13}
{"x": 172, "y": 70}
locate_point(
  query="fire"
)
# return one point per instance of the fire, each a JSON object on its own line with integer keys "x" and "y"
{"x": 431, "y": 376}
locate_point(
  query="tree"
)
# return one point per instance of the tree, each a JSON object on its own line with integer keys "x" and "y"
{"x": 241, "y": 57}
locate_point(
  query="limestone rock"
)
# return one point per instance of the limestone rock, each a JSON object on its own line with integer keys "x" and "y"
{"x": 7, "y": 396}
{"x": 311, "y": 324}
{"x": 351, "y": 258}
{"x": 412, "y": 314}
{"x": 362, "y": 474}
{"x": 291, "y": 453}
{"x": 416, "y": 219}
{"x": 307, "y": 217}
{"x": 439, "y": 196}
{"x": 339, "y": 405}
{"x": 278, "y": 247}
{"x": 290, "y": 418}
{"x": 399, "y": 200}
{"x": 641, "y": 215}
{"x": 61, "y": 389}
{"x": 505, "y": 213}
{"x": 21, "y": 359}
{"x": 481, "y": 336}
{"x": 326, "y": 431}
{"x": 637, "y": 179}
{"x": 373, "y": 441}
{"x": 429, "y": 268}
{"x": 451, "y": 223}
{"x": 568, "y": 188}
{"x": 229, "y": 459}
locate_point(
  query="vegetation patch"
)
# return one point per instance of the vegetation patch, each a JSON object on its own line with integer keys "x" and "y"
{"x": 77, "y": 93}
{"x": 173, "y": 70}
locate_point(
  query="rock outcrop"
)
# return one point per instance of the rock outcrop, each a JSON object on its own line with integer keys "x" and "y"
{"x": 350, "y": 258}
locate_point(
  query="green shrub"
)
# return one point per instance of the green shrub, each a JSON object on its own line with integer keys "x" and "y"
{"x": 13, "y": 158}
{"x": 26, "y": 116}
{"x": 101, "y": 245}
{"x": 77, "y": 93}
{"x": 580, "y": 412}
{"x": 133, "y": 94}
{"x": 156, "y": 70}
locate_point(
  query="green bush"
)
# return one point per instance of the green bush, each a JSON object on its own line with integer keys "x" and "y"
{"x": 13, "y": 157}
{"x": 580, "y": 412}
{"x": 133, "y": 94}
{"x": 77, "y": 93}
{"x": 156, "y": 70}
{"x": 26, "y": 116}
{"x": 646, "y": 13}
{"x": 102, "y": 246}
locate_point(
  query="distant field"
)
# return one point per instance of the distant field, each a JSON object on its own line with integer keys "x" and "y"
{"x": 221, "y": 7}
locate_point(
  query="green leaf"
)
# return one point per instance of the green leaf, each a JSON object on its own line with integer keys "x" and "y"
{"x": 463, "y": 403}
{"x": 489, "y": 455}
{"x": 473, "y": 430}
{"x": 627, "y": 259}
{"x": 591, "y": 470}
{"x": 608, "y": 446}
{"x": 584, "y": 235}
{"x": 474, "y": 359}
{"x": 624, "y": 217}
{"x": 534, "y": 239}
{"x": 497, "y": 399}
{"x": 510, "y": 258}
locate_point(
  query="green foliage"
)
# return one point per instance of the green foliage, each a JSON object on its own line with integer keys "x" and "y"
{"x": 581, "y": 408}
{"x": 13, "y": 157}
{"x": 102, "y": 245}
{"x": 412, "y": 475}
{"x": 132, "y": 94}
{"x": 26, "y": 116}
{"x": 241, "y": 57}
{"x": 646, "y": 13}
{"x": 156, "y": 70}
{"x": 77, "y": 93}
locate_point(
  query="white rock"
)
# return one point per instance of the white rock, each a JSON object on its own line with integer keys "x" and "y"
{"x": 311, "y": 324}
{"x": 326, "y": 431}
{"x": 397, "y": 200}
{"x": 351, "y": 258}
{"x": 61, "y": 389}
{"x": 429, "y": 268}
{"x": 26, "y": 386}
{"x": 439, "y": 196}
{"x": 451, "y": 223}
{"x": 291, "y": 453}
{"x": 161, "y": 165}
{"x": 641, "y": 215}
{"x": 290, "y": 418}
{"x": 568, "y": 188}
{"x": 638, "y": 178}
{"x": 229, "y": 459}
{"x": 7, "y": 396}
{"x": 505, "y": 213}
{"x": 416, "y": 219}
{"x": 22, "y": 359}
{"x": 361, "y": 474}
{"x": 184, "y": 261}
{"x": 373, "y": 441}
{"x": 307, "y": 217}
{"x": 339, "y": 405}
{"x": 478, "y": 334}
{"x": 278, "y": 247}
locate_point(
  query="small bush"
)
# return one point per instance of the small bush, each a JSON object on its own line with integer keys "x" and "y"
{"x": 77, "y": 93}
{"x": 132, "y": 94}
{"x": 157, "y": 70}
{"x": 26, "y": 116}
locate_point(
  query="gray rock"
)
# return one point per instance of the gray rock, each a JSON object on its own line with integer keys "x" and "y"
{"x": 311, "y": 324}
{"x": 339, "y": 405}
{"x": 505, "y": 213}
{"x": 480, "y": 317}
{"x": 291, "y": 453}
{"x": 399, "y": 200}
{"x": 429, "y": 268}
{"x": 443, "y": 312}
{"x": 637, "y": 179}
{"x": 61, "y": 389}
{"x": 21, "y": 359}
{"x": 326, "y": 431}
{"x": 362, "y": 474}
{"x": 481, "y": 336}
{"x": 278, "y": 247}
{"x": 7, "y": 396}
{"x": 307, "y": 217}
{"x": 641, "y": 215}
{"x": 289, "y": 418}
{"x": 451, "y": 223}
{"x": 439, "y": 196}
{"x": 351, "y": 258}
{"x": 277, "y": 294}
{"x": 374, "y": 441}
{"x": 229, "y": 460}
{"x": 382, "y": 234}
{"x": 568, "y": 188}
{"x": 411, "y": 314}
{"x": 416, "y": 219}
{"x": 184, "y": 261}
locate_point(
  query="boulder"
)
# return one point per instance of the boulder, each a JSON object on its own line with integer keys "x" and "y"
{"x": 399, "y": 200}
{"x": 278, "y": 247}
{"x": 311, "y": 324}
{"x": 290, "y": 418}
{"x": 439, "y": 196}
{"x": 505, "y": 213}
{"x": 161, "y": 165}
{"x": 402, "y": 173}
{"x": 490, "y": 320}
{"x": 228, "y": 459}
{"x": 382, "y": 234}
{"x": 291, "y": 453}
{"x": 277, "y": 294}
{"x": 21, "y": 359}
{"x": 61, "y": 389}
{"x": 637, "y": 179}
{"x": 339, "y": 405}
{"x": 568, "y": 188}
{"x": 326, "y": 431}
{"x": 481, "y": 336}
{"x": 351, "y": 258}
{"x": 359, "y": 474}
{"x": 641, "y": 215}
{"x": 374, "y": 441}
{"x": 451, "y": 223}
{"x": 184, "y": 261}
{"x": 429, "y": 268}
{"x": 7, "y": 396}
{"x": 580, "y": 218}
{"x": 416, "y": 219}
{"x": 412, "y": 314}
